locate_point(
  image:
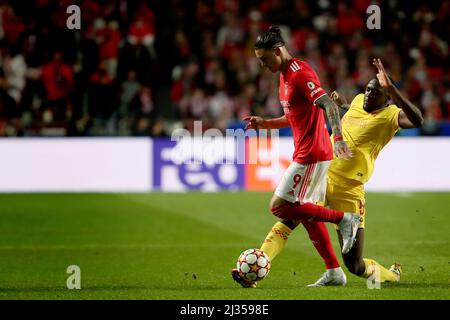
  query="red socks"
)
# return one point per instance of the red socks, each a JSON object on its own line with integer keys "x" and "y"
{"x": 320, "y": 238}
{"x": 312, "y": 217}
{"x": 307, "y": 211}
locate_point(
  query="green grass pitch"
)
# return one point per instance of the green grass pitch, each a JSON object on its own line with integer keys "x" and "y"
{"x": 182, "y": 246}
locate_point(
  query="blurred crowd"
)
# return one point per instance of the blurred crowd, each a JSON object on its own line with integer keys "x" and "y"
{"x": 146, "y": 67}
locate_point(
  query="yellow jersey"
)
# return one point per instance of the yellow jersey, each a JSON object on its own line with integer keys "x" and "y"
{"x": 365, "y": 134}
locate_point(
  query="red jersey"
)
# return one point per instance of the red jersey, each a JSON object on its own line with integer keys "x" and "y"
{"x": 299, "y": 89}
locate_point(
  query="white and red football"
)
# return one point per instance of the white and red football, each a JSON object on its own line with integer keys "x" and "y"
{"x": 253, "y": 265}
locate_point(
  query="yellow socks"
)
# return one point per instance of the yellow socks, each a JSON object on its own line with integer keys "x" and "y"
{"x": 376, "y": 269}
{"x": 275, "y": 240}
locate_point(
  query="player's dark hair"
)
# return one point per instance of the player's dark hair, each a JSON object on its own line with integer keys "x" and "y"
{"x": 270, "y": 39}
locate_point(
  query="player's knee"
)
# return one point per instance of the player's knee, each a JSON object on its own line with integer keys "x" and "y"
{"x": 272, "y": 204}
{"x": 276, "y": 207}
{"x": 274, "y": 210}
{"x": 291, "y": 224}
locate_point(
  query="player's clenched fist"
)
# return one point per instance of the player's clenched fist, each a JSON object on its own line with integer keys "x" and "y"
{"x": 254, "y": 122}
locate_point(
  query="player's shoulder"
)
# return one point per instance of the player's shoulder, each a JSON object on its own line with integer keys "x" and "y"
{"x": 357, "y": 101}
{"x": 298, "y": 70}
{"x": 297, "y": 66}
{"x": 300, "y": 66}
{"x": 391, "y": 110}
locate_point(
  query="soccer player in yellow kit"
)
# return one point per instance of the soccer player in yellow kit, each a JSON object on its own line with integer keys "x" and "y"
{"x": 368, "y": 125}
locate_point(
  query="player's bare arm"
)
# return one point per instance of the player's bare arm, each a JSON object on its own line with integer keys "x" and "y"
{"x": 410, "y": 116}
{"x": 255, "y": 122}
{"x": 341, "y": 102}
{"x": 340, "y": 147}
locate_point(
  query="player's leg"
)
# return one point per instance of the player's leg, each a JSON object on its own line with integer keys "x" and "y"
{"x": 277, "y": 237}
{"x": 317, "y": 231}
{"x": 365, "y": 267}
{"x": 295, "y": 210}
{"x": 334, "y": 275}
{"x": 294, "y": 184}
{"x": 353, "y": 260}
{"x": 314, "y": 192}
{"x": 273, "y": 244}
{"x": 346, "y": 197}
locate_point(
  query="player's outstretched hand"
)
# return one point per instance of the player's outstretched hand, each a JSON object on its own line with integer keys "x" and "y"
{"x": 254, "y": 122}
{"x": 338, "y": 99}
{"x": 382, "y": 76}
{"x": 341, "y": 150}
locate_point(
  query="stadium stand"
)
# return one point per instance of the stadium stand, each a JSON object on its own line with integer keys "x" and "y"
{"x": 142, "y": 68}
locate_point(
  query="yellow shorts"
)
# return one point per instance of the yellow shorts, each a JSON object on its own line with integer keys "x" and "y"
{"x": 345, "y": 195}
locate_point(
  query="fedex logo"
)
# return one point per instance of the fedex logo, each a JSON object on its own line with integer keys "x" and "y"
{"x": 175, "y": 168}
{"x": 265, "y": 176}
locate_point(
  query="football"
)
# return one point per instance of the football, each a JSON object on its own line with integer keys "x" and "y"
{"x": 253, "y": 265}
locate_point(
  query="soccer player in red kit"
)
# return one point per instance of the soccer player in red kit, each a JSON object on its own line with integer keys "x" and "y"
{"x": 304, "y": 182}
